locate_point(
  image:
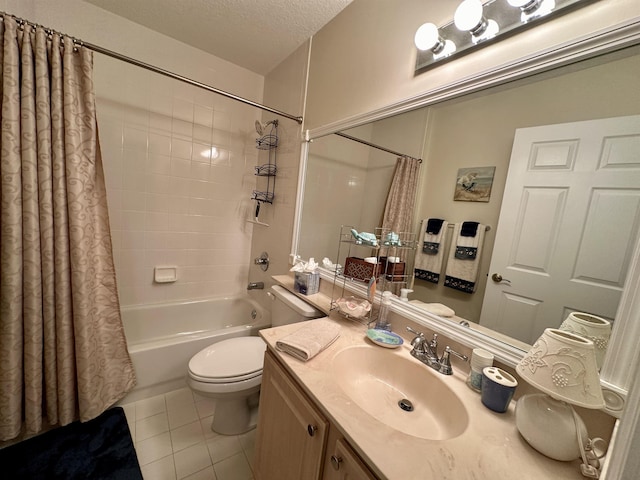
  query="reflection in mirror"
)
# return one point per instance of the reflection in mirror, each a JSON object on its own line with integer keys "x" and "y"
{"x": 347, "y": 183}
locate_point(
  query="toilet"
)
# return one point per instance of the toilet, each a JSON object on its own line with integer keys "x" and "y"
{"x": 231, "y": 370}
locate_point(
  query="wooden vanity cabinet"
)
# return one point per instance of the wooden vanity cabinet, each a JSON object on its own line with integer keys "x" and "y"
{"x": 292, "y": 435}
{"x": 341, "y": 462}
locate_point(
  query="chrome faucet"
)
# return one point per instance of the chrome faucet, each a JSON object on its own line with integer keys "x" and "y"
{"x": 255, "y": 286}
{"x": 427, "y": 353}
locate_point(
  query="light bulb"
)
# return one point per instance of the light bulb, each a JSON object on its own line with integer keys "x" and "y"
{"x": 527, "y": 6}
{"x": 427, "y": 38}
{"x": 468, "y": 17}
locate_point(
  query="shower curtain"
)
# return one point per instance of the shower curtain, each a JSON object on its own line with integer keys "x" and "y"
{"x": 63, "y": 353}
{"x": 398, "y": 211}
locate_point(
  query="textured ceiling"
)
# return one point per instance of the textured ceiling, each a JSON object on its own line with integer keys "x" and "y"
{"x": 255, "y": 34}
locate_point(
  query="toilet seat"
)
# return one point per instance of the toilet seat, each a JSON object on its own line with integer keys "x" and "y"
{"x": 229, "y": 361}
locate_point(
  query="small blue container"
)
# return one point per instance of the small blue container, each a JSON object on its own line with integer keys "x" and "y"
{"x": 498, "y": 388}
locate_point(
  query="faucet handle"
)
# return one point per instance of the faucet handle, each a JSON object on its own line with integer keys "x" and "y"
{"x": 409, "y": 329}
{"x": 445, "y": 362}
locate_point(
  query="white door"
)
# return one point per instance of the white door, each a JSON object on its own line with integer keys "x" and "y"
{"x": 569, "y": 218}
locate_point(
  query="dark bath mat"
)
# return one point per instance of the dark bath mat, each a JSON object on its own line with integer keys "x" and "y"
{"x": 98, "y": 449}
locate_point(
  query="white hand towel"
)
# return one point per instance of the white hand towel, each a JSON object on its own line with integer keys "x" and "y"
{"x": 462, "y": 274}
{"x": 429, "y": 256}
{"x": 306, "y": 342}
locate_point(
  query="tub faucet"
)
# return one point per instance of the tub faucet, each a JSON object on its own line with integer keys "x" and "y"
{"x": 255, "y": 286}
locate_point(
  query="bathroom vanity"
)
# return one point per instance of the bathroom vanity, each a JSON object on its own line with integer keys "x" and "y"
{"x": 337, "y": 416}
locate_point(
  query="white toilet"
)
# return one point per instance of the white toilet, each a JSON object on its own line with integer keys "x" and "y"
{"x": 231, "y": 370}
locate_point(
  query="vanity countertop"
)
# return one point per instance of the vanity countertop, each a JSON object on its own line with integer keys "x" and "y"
{"x": 490, "y": 448}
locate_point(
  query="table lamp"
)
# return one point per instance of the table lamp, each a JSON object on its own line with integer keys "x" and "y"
{"x": 596, "y": 329}
{"x": 563, "y": 366}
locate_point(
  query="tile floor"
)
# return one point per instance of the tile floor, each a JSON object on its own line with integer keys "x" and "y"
{"x": 173, "y": 439}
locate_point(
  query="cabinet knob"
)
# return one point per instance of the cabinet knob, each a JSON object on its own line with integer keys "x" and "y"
{"x": 335, "y": 462}
{"x": 312, "y": 429}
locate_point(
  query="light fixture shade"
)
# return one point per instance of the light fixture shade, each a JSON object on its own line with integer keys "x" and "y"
{"x": 468, "y": 16}
{"x": 563, "y": 365}
{"x": 427, "y": 37}
{"x": 596, "y": 329}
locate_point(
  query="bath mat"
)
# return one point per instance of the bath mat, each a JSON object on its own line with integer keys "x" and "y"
{"x": 98, "y": 449}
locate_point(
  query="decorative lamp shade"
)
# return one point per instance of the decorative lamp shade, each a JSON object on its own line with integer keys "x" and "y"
{"x": 596, "y": 329}
{"x": 563, "y": 365}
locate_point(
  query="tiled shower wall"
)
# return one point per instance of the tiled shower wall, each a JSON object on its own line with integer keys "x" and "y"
{"x": 178, "y": 162}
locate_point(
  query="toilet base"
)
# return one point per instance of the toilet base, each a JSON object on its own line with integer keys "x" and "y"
{"x": 236, "y": 415}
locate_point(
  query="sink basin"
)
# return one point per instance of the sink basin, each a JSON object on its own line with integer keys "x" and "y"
{"x": 380, "y": 382}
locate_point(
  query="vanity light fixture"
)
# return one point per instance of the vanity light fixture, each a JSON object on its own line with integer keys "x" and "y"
{"x": 476, "y": 23}
{"x": 563, "y": 366}
{"x": 428, "y": 38}
{"x": 469, "y": 17}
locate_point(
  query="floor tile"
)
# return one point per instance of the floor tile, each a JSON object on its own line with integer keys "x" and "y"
{"x": 248, "y": 442}
{"x": 222, "y": 447}
{"x": 233, "y": 468}
{"x": 205, "y": 407}
{"x": 178, "y": 398}
{"x": 186, "y": 436}
{"x": 151, "y": 426}
{"x": 150, "y": 407}
{"x": 180, "y": 415}
{"x": 154, "y": 448}
{"x": 191, "y": 460}
{"x": 162, "y": 469}
{"x": 206, "y": 474}
{"x": 206, "y": 428}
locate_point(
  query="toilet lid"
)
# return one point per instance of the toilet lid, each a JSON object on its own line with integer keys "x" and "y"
{"x": 234, "y": 359}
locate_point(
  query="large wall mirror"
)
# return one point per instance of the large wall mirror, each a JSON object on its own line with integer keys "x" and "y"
{"x": 346, "y": 183}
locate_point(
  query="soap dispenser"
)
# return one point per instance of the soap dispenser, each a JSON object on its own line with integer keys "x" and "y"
{"x": 385, "y": 305}
{"x": 403, "y": 294}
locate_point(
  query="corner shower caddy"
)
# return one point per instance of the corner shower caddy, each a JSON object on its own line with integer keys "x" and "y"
{"x": 266, "y": 141}
{"x": 385, "y": 280}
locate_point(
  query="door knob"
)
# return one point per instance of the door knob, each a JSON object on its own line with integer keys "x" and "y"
{"x": 496, "y": 277}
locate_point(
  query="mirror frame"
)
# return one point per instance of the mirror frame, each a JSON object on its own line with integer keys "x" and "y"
{"x": 617, "y": 371}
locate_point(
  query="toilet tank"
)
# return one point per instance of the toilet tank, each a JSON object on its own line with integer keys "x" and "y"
{"x": 287, "y": 308}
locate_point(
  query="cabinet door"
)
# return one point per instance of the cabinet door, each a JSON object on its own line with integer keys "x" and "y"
{"x": 291, "y": 434}
{"x": 346, "y": 465}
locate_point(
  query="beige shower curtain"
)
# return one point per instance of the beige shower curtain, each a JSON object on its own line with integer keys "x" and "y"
{"x": 398, "y": 211}
{"x": 63, "y": 354}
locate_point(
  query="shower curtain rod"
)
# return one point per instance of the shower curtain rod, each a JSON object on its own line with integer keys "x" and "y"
{"x": 166, "y": 73}
{"x": 364, "y": 142}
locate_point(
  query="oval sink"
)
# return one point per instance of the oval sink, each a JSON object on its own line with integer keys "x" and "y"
{"x": 381, "y": 382}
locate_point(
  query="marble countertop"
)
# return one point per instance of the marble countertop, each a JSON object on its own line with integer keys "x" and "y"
{"x": 490, "y": 447}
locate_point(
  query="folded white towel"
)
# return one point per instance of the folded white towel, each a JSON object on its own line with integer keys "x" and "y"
{"x": 435, "y": 308}
{"x": 462, "y": 273}
{"x": 306, "y": 342}
{"x": 429, "y": 256}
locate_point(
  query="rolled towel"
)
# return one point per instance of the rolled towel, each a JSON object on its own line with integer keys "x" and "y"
{"x": 435, "y": 308}
{"x": 308, "y": 341}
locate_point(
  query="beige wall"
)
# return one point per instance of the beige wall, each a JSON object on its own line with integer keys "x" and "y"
{"x": 364, "y": 59}
{"x": 478, "y": 132}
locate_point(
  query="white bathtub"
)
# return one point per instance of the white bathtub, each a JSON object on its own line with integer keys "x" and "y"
{"x": 162, "y": 338}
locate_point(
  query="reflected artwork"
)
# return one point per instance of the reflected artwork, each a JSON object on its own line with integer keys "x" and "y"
{"x": 474, "y": 184}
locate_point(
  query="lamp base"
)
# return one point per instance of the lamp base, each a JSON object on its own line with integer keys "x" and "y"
{"x": 548, "y": 425}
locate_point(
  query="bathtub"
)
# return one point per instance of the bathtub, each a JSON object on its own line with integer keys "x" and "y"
{"x": 162, "y": 338}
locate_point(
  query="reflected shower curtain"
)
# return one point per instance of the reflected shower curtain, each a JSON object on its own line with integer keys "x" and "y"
{"x": 398, "y": 211}
{"x": 63, "y": 353}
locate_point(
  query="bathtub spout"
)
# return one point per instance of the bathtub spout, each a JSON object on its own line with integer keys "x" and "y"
{"x": 255, "y": 286}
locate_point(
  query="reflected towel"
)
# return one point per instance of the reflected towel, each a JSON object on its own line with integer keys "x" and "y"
{"x": 428, "y": 261}
{"x": 311, "y": 339}
{"x": 435, "y": 308}
{"x": 464, "y": 260}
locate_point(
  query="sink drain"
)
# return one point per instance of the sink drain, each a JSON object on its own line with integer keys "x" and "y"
{"x": 405, "y": 405}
